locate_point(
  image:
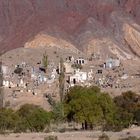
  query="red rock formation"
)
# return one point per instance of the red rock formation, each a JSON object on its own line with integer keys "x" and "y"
{"x": 20, "y": 20}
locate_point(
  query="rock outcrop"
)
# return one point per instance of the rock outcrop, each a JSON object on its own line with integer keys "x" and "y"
{"x": 132, "y": 37}
{"x": 75, "y": 21}
{"x": 44, "y": 40}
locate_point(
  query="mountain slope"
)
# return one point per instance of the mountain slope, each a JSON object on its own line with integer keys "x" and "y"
{"x": 76, "y": 21}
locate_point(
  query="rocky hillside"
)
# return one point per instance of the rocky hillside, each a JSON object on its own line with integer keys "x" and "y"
{"x": 108, "y": 26}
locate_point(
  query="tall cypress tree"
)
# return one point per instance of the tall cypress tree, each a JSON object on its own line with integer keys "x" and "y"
{"x": 1, "y": 88}
{"x": 62, "y": 79}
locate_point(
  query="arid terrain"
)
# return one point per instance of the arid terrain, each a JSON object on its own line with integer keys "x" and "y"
{"x": 48, "y": 47}
{"x": 88, "y": 135}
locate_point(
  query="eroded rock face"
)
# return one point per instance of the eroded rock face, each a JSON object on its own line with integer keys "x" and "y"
{"x": 22, "y": 20}
{"x": 43, "y": 40}
{"x": 132, "y": 37}
{"x": 106, "y": 47}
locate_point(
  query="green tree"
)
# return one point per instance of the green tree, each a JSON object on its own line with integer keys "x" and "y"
{"x": 35, "y": 118}
{"x": 128, "y": 102}
{"x": 58, "y": 112}
{"x": 45, "y": 60}
{"x": 108, "y": 108}
{"x": 89, "y": 106}
{"x": 122, "y": 119}
{"x": 9, "y": 120}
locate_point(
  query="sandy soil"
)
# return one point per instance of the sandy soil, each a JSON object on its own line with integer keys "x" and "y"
{"x": 88, "y": 135}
